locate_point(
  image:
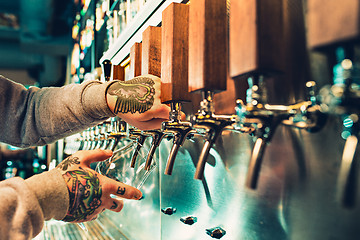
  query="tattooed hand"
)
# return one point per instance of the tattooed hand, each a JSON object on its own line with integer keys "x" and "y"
{"x": 137, "y": 102}
{"x": 89, "y": 191}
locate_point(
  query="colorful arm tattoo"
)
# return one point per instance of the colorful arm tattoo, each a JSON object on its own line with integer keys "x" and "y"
{"x": 67, "y": 162}
{"x": 84, "y": 192}
{"x": 135, "y": 95}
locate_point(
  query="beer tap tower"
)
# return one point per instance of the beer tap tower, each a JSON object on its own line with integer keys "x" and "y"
{"x": 174, "y": 74}
{"x": 338, "y": 35}
{"x": 208, "y": 69}
{"x": 256, "y": 53}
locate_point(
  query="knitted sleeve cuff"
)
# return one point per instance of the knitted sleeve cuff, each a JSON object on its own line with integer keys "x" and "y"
{"x": 51, "y": 192}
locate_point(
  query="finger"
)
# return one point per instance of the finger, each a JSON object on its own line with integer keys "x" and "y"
{"x": 120, "y": 189}
{"x": 90, "y": 156}
{"x": 116, "y": 204}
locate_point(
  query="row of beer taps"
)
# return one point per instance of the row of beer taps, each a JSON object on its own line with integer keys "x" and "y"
{"x": 198, "y": 67}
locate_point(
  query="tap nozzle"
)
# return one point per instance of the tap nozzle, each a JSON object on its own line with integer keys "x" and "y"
{"x": 261, "y": 120}
{"x": 346, "y": 189}
{"x": 140, "y": 138}
{"x": 156, "y": 136}
{"x": 213, "y": 124}
{"x": 179, "y": 131}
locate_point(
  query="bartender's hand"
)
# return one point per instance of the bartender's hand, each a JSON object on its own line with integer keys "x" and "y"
{"x": 89, "y": 191}
{"x": 137, "y": 102}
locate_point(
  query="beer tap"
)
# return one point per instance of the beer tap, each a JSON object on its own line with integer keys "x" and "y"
{"x": 257, "y": 58}
{"x": 138, "y": 136}
{"x": 262, "y": 119}
{"x": 106, "y": 131}
{"x": 174, "y": 72}
{"x": 156, "y": 136}
{"x": 99, "y": 136}
{"x": 85, "y": 136}
{"x": 208, "y": 69}
{"x": 343, "y": 100}
{"x": 329, "y": 36}
{"x": 151, "y": 64}
{"x": 118, "y": 131}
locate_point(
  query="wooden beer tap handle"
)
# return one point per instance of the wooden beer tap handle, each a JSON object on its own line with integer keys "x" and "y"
{"x": 207, "y": 45}
{"x": 328, "y": 30}
{"x": 151, "y": 51}
{"x": 174, "y": 53}
{"x": 256, "y": 37}
{"x": 135, "y": 60}
{"x": 119, "y": 73}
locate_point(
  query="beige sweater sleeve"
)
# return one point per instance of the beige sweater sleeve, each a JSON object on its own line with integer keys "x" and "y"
{"x": 35, "y": 116}
{"x": 25, "y": 204}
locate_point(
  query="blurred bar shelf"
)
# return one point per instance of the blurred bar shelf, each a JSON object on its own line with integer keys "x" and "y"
{"x": 149, "y": 15}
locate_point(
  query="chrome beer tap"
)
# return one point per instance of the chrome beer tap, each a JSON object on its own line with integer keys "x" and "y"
{"x": 213, "y": 125}
{"x": 208, "y": 70}
{"x": 174, "y": 72}
{"x": 105, "y": 131}
{"x": 118, "y": 132}
{"x": 92, "y": 138}
{"x": 156, "y": 136}
{"x": 307, "y": 114}
{"x": 338, "y": 36}
{"x": 138, "y": 136}
{"x": 179, "y": 130}
{"x": 99, "y": 136}
{"x": 261, "y": 120}
{"x": 343, "y": 100}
